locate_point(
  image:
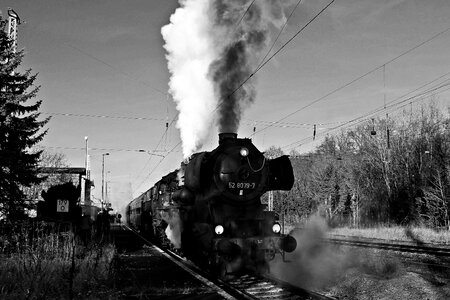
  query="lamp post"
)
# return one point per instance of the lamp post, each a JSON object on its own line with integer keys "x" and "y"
{"x": 106, "y": 186}
{"x": 103, "y": 176}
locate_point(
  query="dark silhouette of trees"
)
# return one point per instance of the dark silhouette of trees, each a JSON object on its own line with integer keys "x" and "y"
{"x": 399, "y": 175}
{"x": 20, "y": 129}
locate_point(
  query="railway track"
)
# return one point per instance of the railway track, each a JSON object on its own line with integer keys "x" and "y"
{"x": 248, "y": 287}
{"x": 395, "y": 246}
{"x": 251, "y": 287}
{"x": 256, "y": 287}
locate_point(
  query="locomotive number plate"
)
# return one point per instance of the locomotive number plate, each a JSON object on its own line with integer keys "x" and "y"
{"x": 241, "y": 185}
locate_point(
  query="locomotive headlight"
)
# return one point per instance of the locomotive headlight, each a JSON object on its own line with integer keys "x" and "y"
{"x": 276, "y": 228}
{"x": 244, "y": 152}
{"x": 218, "y": 229}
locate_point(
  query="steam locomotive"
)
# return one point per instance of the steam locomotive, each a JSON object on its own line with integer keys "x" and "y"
{"x": 211, "y": 208}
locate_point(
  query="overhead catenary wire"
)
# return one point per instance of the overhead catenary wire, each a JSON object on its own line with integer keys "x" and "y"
{"x": 279, "y": 50}
{"x": 157, "y": 165}
{"x": 335, "y": 90}
{"x": 288, "y": 124}
{"x": 102, "y": 116}
{"x": 116, "y": 69}
{"x": 357, "y": 78}
{"x": 278, "y": 35}
{"x": 169, "y": 124}
{"x": 161, "y": 160}
{"x": 98, "y": 149}
{"x": 159, "y": 142}
{"x": 126, "y": 74}
{"x": 379, "y": 110}
{"x": 244, "y": 14}
{"x": 110, "y": 66}
{"x": 365, "y": 117}
{"x": 273, "y": 55}
{"x": 390, "y": 106}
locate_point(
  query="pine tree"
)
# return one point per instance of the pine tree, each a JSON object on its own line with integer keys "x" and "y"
{"x": 20, "y": 129}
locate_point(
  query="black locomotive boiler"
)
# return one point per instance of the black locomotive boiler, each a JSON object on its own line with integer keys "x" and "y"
{"x": 211, "y": 208}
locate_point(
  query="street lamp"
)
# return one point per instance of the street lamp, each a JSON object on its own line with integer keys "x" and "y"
{"x": 103, "y": 175}
{"x": 106, "y": 186}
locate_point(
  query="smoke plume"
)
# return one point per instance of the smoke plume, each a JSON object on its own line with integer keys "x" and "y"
{"x": 189, "y": 54}
{"x": 174, "y": 226}
{"x": 213, "y": 46}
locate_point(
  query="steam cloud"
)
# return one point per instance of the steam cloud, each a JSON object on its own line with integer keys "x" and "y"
{"x": 174, "y": 226}
{"x": 314, "y": 264}
{"x": 189, "y": 54}
{"x": 211, "y": 51}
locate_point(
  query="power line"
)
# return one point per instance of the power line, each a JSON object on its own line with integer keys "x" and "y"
{"x": 179, "y": 143}
{"x": 157, "y": 165}
{"x": 246, "y": 121}
{"x": 116, "y": 69}
{"x": 246, "y": 11}
{"x": 357, "y": 78}
{"x": 101, "y": 116}
{"x": 278, "y": 36}
{"x": 96, "y": 149}
{"x": 361, "y": 119}
{"x": 372, "y": 113}
{"x": 276, "y": 52}
{"x": 391, "y": 107}
{"x": 157, "y": 145}
{"x": 237, "y": 25}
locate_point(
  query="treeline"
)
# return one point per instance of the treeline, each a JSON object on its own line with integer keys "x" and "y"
{"x": 392, "y": 170}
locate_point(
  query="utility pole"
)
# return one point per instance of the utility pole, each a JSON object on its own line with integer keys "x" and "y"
{"x": 86, "y": 159}
{"x": 86, "y": 187}
{"x": 103, "y": 176}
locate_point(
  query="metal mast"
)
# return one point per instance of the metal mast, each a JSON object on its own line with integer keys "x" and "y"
{"x": 13, "y": 21}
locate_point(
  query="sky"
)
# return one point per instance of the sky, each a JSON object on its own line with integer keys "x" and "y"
{"x": 103, "y": 74}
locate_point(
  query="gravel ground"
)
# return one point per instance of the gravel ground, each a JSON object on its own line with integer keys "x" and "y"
{"x": 359, "y": 273}
{"x": 381, "y": 274}
{"x": 146, "y": 274}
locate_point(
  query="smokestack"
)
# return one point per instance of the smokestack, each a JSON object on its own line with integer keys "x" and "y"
{"x": 226, "y": 135}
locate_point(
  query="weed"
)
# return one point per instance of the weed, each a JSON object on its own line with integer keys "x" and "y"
{"x": 42, "y": 262}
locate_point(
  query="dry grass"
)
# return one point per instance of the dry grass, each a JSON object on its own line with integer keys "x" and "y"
{"x": 54, "y": 266}
{"x": 394, "y": 233}
{"x": 425, "y": 235}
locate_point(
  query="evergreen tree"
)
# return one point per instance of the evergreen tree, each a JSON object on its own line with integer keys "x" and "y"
{"x": 20, "y": 129}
